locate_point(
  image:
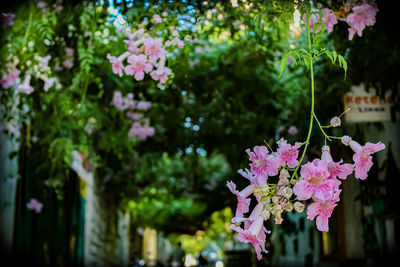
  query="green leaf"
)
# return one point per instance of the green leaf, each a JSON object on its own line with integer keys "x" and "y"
{"x": 283, "y": 63}
{"x": 343, "y": 64}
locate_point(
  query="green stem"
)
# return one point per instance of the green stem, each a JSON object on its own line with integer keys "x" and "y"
{"x": 312, "y": 99}
{"x": 320, "y": 127}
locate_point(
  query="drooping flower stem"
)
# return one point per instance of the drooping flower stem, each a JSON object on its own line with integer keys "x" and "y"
{"x": 310, "y": 58}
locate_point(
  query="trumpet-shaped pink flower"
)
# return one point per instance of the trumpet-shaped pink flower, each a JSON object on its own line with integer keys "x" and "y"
{"x": 329, "y": 19}
{"x": 263, "y": 164}
{"x": 138, "y": 66}
{"x": 243, "y": 201}
{"x": 117, "y": 65}
{"x": 119, "y": 102}
{"x": 336, "y": 169}
{"x": 255, "y": 233}
{"x": 248, "y": 175}
{"x": 48, "y": 82}
{"x": 288, "y": 153}
{"x": 153, "y": 48}
{"x": 161, "y": 74}
{"x": 44, "y": 61}
{"x": 35, "y": 205}
{"x": 363, "y": 15}
{"x": 323, "y": 211}
{"x": 25, "y": 86}
{"x": 314, "y": 181}
{"x": 362, "y": 158}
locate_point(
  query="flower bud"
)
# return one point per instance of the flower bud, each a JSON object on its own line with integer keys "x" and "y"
{"x": 299, "y": 207}
{"x": 278, "y": 217}
{"x": 346, "y": 140}
{"x": 268, "y": 208}
{"x": 276, "y": 208}
{"x": 275, "y": 199}
{"x": 284, "y": 174}
{"x": 335, "y": 122}
{"x": 287, "y": 192}
{"x": 288, "y": 207}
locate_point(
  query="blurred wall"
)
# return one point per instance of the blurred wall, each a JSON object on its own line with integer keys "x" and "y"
{"x": 8, "y": 187}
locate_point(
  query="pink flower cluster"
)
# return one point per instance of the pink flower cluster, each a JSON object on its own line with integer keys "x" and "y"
{"x": 35, "y": 205}
{"x": 145, "y": 55}
{"x": 319, "y": 182}
{"x": 10, "y": 78}
{"x": 363, "y": 15}
{"x": 140, "y": 127}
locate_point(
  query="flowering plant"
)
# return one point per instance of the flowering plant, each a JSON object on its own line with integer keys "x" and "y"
{"x": 317, "y": 181}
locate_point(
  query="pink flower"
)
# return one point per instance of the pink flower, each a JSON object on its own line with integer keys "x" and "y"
{"x": 363, "y": 15}
{"x": 69, "y": 52}
{"x": 336, "y": 169}
{"x": 255, "y": 233}
{"x": 58, "y": 8}
{"x": 9, "y": 80}
{"x": 314, "y": 18}
{"x": 243, "y": 201}
{"x": 35, "y": 205}
{"x": 329, "y": 19}
{"x": 141, "y": 132}
{"x": 117, "y": 65}
{"x": 133, "y": 46}
{"x": 143, "y": 105}
{"x": 288, "y": 153}
{"x": 118, "y": 101}
{"x": 48, "y": 83}
{"x": 153, "y": 48}
{"x": 263, "y": 164}
{"x": 8, "y": 18}
{"x": 133, "y": 116}
{"x": 157, "y": 18}
{"x": 323, "y": 211}
{"x": 41, "y": 4}
{"x": 292, "y": 130}
{"x": 160, "y": 74}
{"x": 314, "y": 181}
{"x": 180, "y": 43}
{"x": 138, "y": 65}
{"x": 25, "y": 86}
{"x": 43, "y": 61}
{"x": 362, "y": 157}
{"x": 69, "y": 63}
{"x": 248, "y": 175}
